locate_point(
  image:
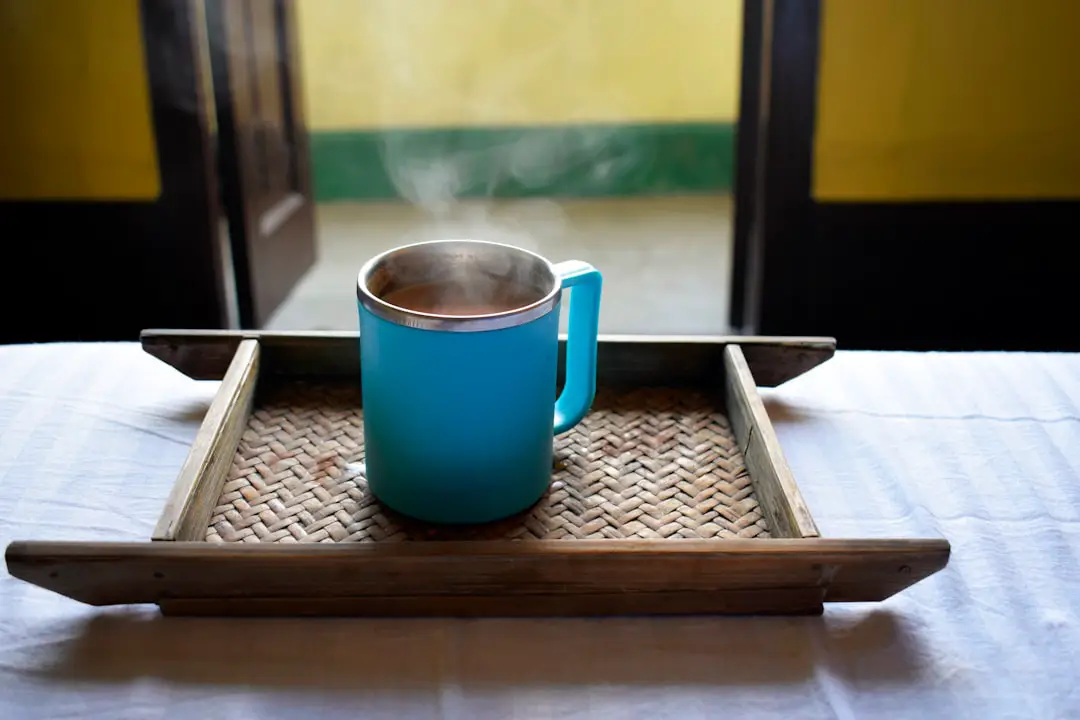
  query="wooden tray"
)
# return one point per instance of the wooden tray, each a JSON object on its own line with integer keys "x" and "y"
{"x": 673, "y": 496}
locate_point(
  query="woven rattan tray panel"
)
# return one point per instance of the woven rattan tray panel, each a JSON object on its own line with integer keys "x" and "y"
{"x": 647, "y": 463}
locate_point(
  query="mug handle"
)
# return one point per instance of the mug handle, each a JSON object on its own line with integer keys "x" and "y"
{"x": 580, "y": 387}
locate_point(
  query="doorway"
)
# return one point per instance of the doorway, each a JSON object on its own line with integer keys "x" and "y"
{"x": 602, "y": 131}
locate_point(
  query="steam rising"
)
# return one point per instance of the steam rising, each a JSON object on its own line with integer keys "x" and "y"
{"x": 454, "y": 178}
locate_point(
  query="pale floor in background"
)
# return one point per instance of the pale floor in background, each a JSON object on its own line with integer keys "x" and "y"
{"x": 666, "y": 261}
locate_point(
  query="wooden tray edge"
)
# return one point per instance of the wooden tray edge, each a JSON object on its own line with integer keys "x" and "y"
{"x": 198, "y": 485}
{"x": 206, "y": 354}
{"x": 777, "y": 491}
{"x": 504, "y": 577}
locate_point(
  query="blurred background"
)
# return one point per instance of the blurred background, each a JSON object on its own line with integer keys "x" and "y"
{"x": 593, "y": 129}
{"x": 897, "y": 173}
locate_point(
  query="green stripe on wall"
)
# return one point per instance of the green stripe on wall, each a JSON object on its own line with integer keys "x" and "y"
{"x": 551, "y": 161}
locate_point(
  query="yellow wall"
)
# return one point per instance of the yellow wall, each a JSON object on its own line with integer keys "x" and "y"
{"x": 415, "y": 63}
{"x": 76, "y": 121}
{"x": 948, "y": 99}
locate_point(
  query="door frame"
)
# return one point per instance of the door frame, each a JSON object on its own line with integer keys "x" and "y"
{"x": 256, "y": 287}
{"x": 773, "y": 203}
{"x": 190, "y": 203}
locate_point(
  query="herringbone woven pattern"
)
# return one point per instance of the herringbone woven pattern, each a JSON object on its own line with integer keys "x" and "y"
{"x": 652, "y": 463}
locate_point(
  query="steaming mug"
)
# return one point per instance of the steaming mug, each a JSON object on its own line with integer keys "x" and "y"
{"x": 459, "y": 353}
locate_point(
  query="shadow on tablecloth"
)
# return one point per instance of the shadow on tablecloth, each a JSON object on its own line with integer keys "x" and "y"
{"x": 115, "y": 647}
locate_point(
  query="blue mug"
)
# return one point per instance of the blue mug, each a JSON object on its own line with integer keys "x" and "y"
{"x": 459, "y": 345}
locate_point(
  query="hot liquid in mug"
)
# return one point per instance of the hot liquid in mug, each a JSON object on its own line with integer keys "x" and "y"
{"x": 459, "y": 346}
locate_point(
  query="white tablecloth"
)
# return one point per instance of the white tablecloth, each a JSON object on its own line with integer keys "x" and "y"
{"x": 982, "y": 449}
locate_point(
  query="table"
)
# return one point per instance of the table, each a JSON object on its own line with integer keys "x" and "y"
{"x": 983, "y": 449}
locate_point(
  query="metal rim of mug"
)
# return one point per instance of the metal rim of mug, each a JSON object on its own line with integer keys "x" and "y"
{"x": 455, "y": 323}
